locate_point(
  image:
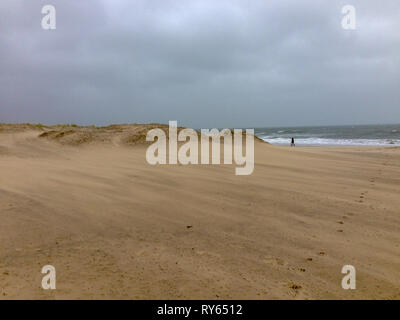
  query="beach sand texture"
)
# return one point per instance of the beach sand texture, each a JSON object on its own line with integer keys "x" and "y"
{"x": 114, "y": 227}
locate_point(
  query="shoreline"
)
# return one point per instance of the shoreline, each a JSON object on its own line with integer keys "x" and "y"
{"x": 334, "y": 146}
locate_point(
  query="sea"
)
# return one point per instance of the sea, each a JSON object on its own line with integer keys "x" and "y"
{"x": 357, "y": 135}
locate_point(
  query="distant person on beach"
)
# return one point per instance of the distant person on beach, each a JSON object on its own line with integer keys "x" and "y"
{"x": 292, "y": 143}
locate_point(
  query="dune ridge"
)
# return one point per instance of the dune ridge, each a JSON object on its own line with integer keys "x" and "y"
{"x": 71, "y": 134}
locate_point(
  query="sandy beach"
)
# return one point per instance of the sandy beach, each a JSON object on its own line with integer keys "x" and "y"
{"x": 115, "y": 227}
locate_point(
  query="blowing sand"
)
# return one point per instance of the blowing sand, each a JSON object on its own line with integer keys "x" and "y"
{"x": 87, "y": 202}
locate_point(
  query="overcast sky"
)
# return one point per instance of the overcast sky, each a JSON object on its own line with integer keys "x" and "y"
{"x": 207, "y": 63}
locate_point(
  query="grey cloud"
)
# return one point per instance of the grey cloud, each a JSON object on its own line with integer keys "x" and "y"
{"x": 203, "y": 63}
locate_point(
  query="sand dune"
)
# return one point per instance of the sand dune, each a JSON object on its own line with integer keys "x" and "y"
{"x": 86, "y": 201}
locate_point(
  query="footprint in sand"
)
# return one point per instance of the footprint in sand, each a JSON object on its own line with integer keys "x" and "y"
{"x": 295, "y": 288}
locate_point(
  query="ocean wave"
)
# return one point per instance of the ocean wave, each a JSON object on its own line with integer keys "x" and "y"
{"x": 332, "y": 142}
